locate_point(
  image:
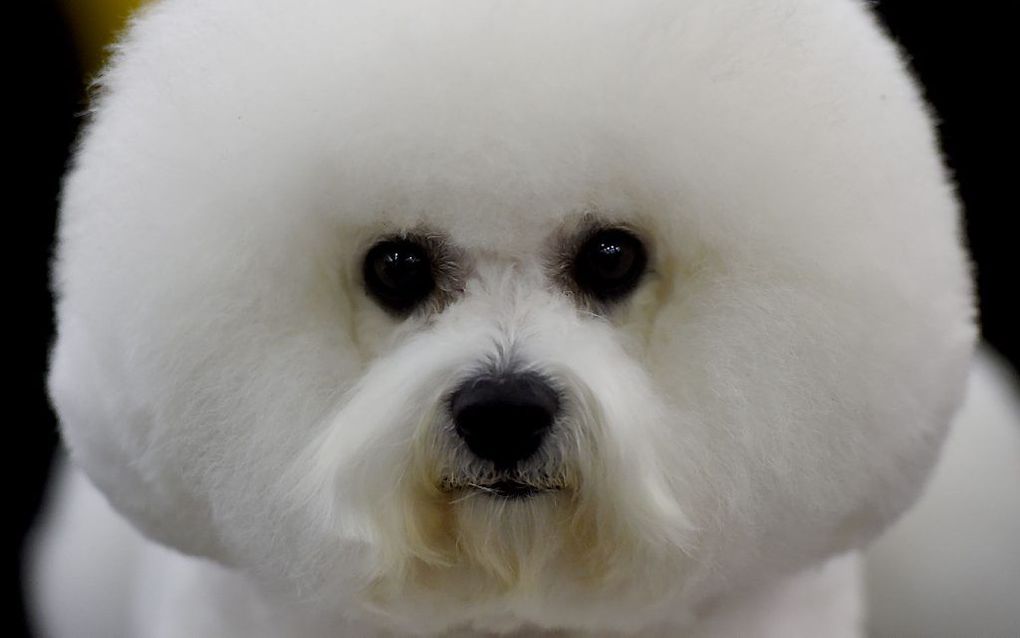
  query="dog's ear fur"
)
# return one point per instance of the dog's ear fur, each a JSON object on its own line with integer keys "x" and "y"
{"x": 106, "y": 432}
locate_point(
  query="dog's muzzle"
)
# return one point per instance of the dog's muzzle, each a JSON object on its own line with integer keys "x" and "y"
{"x": 504, "y": 419}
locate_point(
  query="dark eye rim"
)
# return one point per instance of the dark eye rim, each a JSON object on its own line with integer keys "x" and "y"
{"x": 376, "y": 289}
{"x": 616, "y": 290}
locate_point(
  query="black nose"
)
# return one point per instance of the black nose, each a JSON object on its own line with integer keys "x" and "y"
{"x": 504, "y": 418}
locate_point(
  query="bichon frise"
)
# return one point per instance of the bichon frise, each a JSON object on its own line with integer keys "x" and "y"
{"x": 473, "y": 317}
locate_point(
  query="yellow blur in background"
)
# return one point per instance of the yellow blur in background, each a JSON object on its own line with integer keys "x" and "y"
{"x": 95, "y": 24}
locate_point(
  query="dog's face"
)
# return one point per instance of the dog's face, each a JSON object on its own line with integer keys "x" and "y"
{"x": 561, "y": 313}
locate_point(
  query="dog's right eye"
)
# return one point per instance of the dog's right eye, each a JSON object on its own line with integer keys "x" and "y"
{"x": 610, "y": 263}
{"x": 398, "y": 273}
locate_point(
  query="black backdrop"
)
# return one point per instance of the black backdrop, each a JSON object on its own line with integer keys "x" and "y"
{"x": 958, "y": 49}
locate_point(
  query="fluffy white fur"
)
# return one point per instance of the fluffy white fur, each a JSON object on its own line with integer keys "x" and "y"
{"x": 951, "y": 566}
{"x": 772, "y": 396}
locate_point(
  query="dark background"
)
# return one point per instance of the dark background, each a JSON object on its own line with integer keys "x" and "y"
{"x": 958, "y": 50}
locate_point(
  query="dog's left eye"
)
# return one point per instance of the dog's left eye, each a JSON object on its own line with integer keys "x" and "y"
{"x": 610, "y": 263}
{"x": 398, "y": 273}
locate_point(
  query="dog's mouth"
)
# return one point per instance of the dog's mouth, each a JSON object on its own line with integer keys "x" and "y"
{"x": 510, "y": 489}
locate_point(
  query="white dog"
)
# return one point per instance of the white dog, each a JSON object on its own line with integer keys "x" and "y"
{"x": 472, "y": 317}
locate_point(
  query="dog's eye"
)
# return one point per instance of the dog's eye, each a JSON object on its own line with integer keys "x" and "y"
{"x": 610, "y": 263}
{"x": 398, "y": 273}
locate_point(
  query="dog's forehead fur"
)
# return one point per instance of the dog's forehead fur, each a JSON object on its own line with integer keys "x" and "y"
{"x": 779, "y": 382}
{"x": 648, "y": 106}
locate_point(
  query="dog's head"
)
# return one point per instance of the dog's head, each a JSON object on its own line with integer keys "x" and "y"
{"x": 568, "y": 313}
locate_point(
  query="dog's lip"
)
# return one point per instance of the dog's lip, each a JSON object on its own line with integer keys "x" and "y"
{"x": 512, "y": 490}
{"x": 509, "y": 489}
